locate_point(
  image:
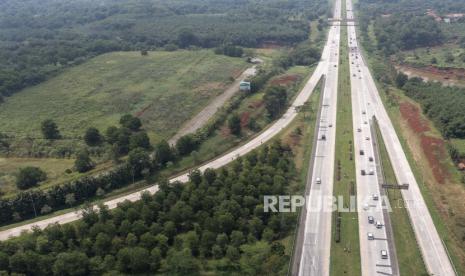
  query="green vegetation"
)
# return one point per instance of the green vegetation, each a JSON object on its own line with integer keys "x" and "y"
{"x": 446, "y": 56}
{"x": 39, "y": 39}
{"x": 29, "y": 177}
{"x": 443, "y": 105}
{"x": 407, "y": 250}
{"x": 345, "y": 245}
{"x": 174, "y": 232}
{"x": 164, "y": 89}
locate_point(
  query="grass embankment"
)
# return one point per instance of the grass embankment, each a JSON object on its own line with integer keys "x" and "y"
{"x": 163, "y": 88}
{"x": 345, "y": 255}
{"x": 408, "y": 252}
{"x": 444, "y": 201}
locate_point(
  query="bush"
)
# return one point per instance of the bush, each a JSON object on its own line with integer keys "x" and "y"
{"x": 29, "y": 177}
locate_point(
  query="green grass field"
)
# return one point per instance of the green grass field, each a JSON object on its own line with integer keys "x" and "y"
{"x": 345, "y": 255}
{"x": 164, "y": 88}
{"x": 424, "y": 56}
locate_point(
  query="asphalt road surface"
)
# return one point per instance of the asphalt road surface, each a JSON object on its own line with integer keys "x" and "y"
{"x": 434, "y": 254}
{"x": 315, "y": 247}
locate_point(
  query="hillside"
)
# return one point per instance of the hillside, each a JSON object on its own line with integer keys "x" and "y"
{"x": 164, "y": 89}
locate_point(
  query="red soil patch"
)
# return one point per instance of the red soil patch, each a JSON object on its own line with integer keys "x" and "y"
{"x": 445, "y": 75}
{"x": 435, "y": 151}
{"x": 285, "y": 80}
{"x": 411, "y": 113}
{"x": 245, "y": 118}
{"x": 432, "y": 147}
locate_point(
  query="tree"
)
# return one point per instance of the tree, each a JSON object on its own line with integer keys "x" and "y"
{"x": 234, "y": 124}
{"x": 29, "y": 177}
{"x": 134, "y": 260}
{"x": 186, "y": 144}
{"x": 112, "y": 134}
{"x": 71, "y": 263}
{"x": 92, "y": 137}
{"x": 138, "y": 160}
{"x": 83, "y": 162}
{"x": 275, "y": 98}
{"x": 130, "y": 122}
{"x": 182, "y": 263}
{"x": 401, "y": 79}
{"x": 186, "y": 38}
{"x": 50, "y": 130}
{"x": 139, "y": 140}
{"x": 163, "y": 153}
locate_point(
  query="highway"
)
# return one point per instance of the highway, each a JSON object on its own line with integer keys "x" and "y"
{"x": 368, "y": 185}
{"x": 433, "y": 252}
{"x": 223, "y": 160}
{"x": 314, "y": 247}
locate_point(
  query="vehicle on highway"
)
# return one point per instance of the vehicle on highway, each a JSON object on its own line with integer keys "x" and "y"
{"x": 363, "y": 172}
{"x": 318, "y": 180}
{"x": 365, "y": 206}
{"x": 371, "y": 219}
{"x": 359, "y": 129}
{"x": 375, "y": 197}
{"x": 366, "y": 123}
{"x": 378, "y": 224}
{"x": 323, "y": 137}
{"x": 384, "y": 254}
{"x": 370, "y": 159}
{"x": 370, "y": 236}
{"x": 367, "y": 138}
{"x": 364, "y": 112}
{"x": 362, "y": 152}
{"x": 371, "y": 172}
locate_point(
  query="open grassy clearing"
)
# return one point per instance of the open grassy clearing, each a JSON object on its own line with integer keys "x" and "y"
{"x": 164, "y": 89}
{"x": 345, "y": 255}
{"x": 424, "y": 56}
{"x": 408, "y": 252}
{"x": 445, "y": 202}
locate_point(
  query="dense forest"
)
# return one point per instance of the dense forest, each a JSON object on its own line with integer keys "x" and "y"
{"x": 404, "y": 25}
{"x": 38, "y": 38}
{"x": 444, "y": 105}
{"x": 215, "y": 223}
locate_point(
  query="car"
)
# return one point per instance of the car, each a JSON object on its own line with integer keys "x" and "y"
{"x": 335, "y": 65}
{"x": 367, "y": 138}
{"x": 362, "y": 172}
{"x": 370, "y": 236}
{"x": 365, "y": 206}
{"x": 384, "y": 254}
{"x": 359, "y": 70}
{"x": 364, "y": 112}
{"x": 362, "y": 152}
{"x": 371, "y": 219}
{"x": 323, "y": 137}
{"x": 359, "y": 129}
{"x": 371, "y": 172}
{"x": 365, "y": 122}
{"x": 318, "y": 180}
{"x": 330, "y": 125}
{"x": 378, "y": 224}
{"x": 354, "y": 75}
{"x": 370, "y": 159}
{"x": 375, "y": 197}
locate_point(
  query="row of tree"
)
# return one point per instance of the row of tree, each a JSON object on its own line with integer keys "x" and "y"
{"x": 215, "y": 223}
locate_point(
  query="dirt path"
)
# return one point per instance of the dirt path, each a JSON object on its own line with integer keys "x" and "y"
{"x": 203, "y": 116}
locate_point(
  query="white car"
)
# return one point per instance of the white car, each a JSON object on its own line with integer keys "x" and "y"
{"x": 384, "y": 254}
{"x": 378, "y": 224}
{"x": 370, "y": 236}
{"x": 318, "y": 180}
{"x": 375, "y": 197}
{"x": 371, "y": 219}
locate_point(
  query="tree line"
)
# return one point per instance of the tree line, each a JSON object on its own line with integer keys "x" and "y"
{"x": 38, "y": 39}
{"x": 214, "y": 223}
